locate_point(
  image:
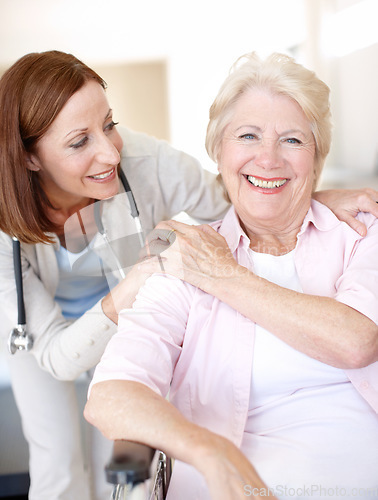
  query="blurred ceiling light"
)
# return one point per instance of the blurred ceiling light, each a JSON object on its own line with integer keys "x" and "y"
{"x": 350, "y": 29}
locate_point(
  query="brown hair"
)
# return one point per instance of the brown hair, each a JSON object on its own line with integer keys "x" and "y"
{"x": 32, "y": 93}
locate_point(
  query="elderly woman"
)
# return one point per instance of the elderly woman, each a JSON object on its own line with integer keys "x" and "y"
{"x": 270, "y": 354}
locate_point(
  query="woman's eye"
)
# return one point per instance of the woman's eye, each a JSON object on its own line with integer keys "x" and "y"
{"x": 247, "y": 136}
{"x": 79, "y": 144}
{"x": 293, "y": 140}
{"x": 111, "y": 125}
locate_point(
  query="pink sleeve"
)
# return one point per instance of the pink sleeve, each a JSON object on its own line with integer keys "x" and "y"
{"x": 358, "y": 285}
{"x": 148, "y": 342}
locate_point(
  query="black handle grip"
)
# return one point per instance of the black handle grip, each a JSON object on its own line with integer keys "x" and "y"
{"x": 130, "y": 463}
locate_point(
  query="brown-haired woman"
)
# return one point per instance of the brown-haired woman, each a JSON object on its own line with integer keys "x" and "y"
{"x": 60, "y": 155}
{"x": 60, "y": 151}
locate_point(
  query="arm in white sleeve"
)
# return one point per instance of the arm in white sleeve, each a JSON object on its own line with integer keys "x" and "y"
{"x": 64, "y": 348}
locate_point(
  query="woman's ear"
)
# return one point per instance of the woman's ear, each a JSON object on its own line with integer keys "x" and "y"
{"x": 32, "y": 162}
{"x": 218, "y": 160}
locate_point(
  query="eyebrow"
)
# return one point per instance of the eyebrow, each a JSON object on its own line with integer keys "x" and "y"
{"x": 108, "y": 114}
{"x": 248, "y": 126}
{"x": 294, "y": 131}
{"x": 285, "y": 132}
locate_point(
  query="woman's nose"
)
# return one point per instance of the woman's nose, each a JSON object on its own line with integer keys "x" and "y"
{"x": 267, "y": 155}
{"x": 107, "y": 152}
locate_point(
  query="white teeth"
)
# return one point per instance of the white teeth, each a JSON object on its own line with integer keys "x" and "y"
{"x": 102, "y": 176}
{"x": 266, "y": 184}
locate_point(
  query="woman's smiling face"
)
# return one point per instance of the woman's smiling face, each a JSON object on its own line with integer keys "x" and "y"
{"x": 78, "y": 156}
{"x": 267, "y": 161}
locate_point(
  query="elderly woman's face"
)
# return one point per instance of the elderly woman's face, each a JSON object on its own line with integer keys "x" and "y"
{"x": 267, "y": 160}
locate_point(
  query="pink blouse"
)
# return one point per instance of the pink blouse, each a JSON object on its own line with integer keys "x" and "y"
{"x": 180, "y": 340}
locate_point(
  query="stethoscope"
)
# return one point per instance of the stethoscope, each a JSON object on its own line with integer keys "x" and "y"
{"x": 19, "y": 338}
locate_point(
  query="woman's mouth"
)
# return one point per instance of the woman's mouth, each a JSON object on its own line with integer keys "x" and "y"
{"x": 105, "y": 175}
{"x": 266, "y": 183}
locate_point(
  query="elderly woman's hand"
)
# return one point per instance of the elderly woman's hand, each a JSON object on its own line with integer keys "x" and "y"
{"x": 196, "y": 254}
{"x": 125, "y": 409}
{"x": 228, "y": 473}
{"x": 347, "y": 203}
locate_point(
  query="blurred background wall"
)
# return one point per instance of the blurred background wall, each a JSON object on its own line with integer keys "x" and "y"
{"x": 164, "y": 60}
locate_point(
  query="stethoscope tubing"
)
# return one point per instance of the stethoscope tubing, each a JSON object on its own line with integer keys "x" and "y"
{"x": 134, "y": 213}
{"x": 19, "y": 339}
{"x": 21, "y": 315}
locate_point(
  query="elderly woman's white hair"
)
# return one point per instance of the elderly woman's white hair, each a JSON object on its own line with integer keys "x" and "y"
{"x": 279, "y": 74}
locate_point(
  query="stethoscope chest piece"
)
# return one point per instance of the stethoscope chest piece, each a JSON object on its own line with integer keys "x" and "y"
{"x": 19, "y": 340}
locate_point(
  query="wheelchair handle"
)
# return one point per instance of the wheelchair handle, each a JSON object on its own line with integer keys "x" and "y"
{"x": 130, "y": 463}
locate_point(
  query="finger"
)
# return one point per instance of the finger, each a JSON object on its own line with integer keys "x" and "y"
{"x": 372, "y": 207}
{"x": 355, "y": 224}
{"x": 179, "y": 227}
{"x": 372, "y": 193}
{"x": 159, "y": 233}
{"x": 368, "y": 202}
{"x": 205, "y": 228}
{"x": 158, "y": 240}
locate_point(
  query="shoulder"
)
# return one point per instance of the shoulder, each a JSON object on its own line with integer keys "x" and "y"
{"x": 325, "y": 220}
{"x": 321, "y": 217}
{"x": 5, "y": 241}
{"x": 323, "y": 233}
{"x": 136, "y": 144}
{"x": 28, "y": 251}
{"x": 39, "y": 258}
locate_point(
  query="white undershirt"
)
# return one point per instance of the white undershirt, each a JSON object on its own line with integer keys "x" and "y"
{"x": 307, "y": 426}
